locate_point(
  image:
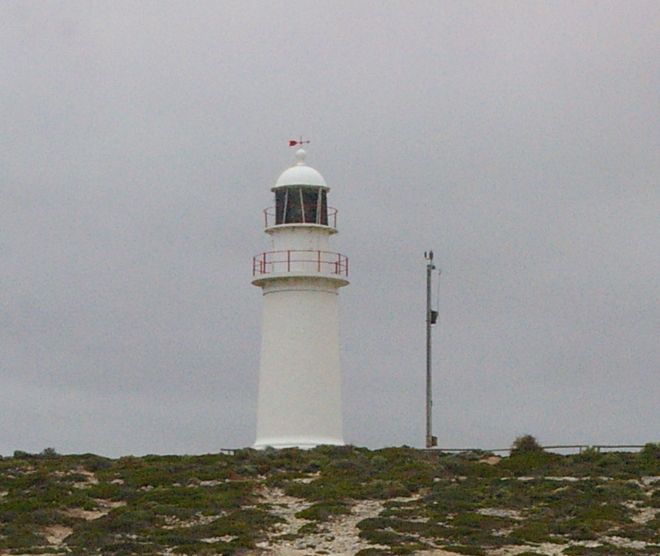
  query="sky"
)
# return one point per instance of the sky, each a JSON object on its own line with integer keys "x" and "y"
{"x": 518, "y": 140}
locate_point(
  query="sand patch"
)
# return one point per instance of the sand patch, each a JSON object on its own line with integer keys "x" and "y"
{"x": 437, "y": 552}
{"x": 500, "y": 512}
{"x": 87, "y": 515}
{"x": 55, "y": 534}
{"x": 105, "y": 507}
{"x": 173, "y": 522}
{"x": 306, "y": 480}
{"x": 547, "y": 549}
{"x": 339, "y": 536}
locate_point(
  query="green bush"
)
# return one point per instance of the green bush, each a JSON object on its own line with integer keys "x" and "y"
{"x": 536, "y": 463}
{"x": 473, "y": 550}
{"x": 531, "y": 531}
{"x": 172, "y": 490}
{"x": 323, "y": 511}
{"x": 525, "y": 444}
{"x": 479, "y": 521}
{"x": 603, "y": 550}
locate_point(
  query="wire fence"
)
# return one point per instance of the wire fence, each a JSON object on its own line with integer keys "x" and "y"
{"x": 550, "y": 448}
{"x": 579, "y": 447}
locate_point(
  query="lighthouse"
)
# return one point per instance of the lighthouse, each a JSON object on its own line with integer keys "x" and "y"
{"x": 299, "y": 400}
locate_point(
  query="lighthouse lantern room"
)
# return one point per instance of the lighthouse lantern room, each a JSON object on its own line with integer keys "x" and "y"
{"x": 299, "y": 400}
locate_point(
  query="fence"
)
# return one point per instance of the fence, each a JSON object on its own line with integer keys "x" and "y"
{"x": 578, "y": 447}
{"x": 270, "y": 218}
{"x": 300, "y": 260}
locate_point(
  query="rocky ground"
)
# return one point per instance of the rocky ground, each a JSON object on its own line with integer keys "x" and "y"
{"x": 339, "y": 501}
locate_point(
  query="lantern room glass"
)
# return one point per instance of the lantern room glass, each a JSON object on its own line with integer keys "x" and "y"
{"x": 301, "y": 205}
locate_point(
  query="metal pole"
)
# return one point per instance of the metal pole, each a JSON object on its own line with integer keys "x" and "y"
{"x": 430, "y": 440}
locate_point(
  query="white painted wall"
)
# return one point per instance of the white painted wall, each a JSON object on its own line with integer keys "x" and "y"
{"x": 300, "y": 250}
{"x": 300, "y": 237}
{"x": 300, "y": 375}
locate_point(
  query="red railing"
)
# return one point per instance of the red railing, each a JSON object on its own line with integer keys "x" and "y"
{"x": 270, "y": 218}
{"x": 300, "y": 260}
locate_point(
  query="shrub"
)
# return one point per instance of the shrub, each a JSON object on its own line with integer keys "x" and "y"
{"x": 470, "y": 550}
{"x": 531, "y": 531}
{"x": 651, "y": 449}
{"x": 477, "y": 521}
{"x": 48, "y": 453}
{"x": 525, "y": 444}
{"x": 322, "y": 511}
{"x": 384, "y": 490}
{"x": 605, "y": 549}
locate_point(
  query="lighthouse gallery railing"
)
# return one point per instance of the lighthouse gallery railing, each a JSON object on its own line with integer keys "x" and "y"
{"x": 300, "y": 260}
{"x": 270, "y": 218}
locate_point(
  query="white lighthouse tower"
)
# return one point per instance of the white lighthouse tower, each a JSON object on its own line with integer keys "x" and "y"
{"x": 300, "y": 376}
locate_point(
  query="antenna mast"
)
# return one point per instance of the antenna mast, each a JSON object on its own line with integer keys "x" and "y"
{"x": 431, "y": 318}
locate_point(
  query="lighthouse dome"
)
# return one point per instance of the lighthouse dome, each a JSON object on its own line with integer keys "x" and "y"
{"x": 300, "y": 174}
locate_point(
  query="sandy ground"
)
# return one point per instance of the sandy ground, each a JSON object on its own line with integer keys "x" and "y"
{"x": 340, "y": 535}
{"x": 55, "y": 534}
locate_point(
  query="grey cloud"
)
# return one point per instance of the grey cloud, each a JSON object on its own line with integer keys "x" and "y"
{"x": 139, "y": 142}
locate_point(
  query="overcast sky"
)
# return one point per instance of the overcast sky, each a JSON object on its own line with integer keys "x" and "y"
{"x": 138, "y": 145}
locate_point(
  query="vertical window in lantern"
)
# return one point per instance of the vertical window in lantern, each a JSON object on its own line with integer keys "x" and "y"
{"x": 324, "y": 207}
{"x": 280, "y": 205}
{"x": 310, "y": 197}
{"x": 293, "y": 212}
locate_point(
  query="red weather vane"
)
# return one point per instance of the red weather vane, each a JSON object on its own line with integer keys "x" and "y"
{"x": 293, "y": 142}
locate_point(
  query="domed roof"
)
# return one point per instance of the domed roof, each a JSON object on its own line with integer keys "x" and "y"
{"x": 300, "y": 174}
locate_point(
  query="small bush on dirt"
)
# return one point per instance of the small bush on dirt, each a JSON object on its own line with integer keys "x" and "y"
{"x": 651, "y": 450}
{"x": 323, "y": 511}
{"x": 525, "y": 444}
{"x": 470, "y": 550}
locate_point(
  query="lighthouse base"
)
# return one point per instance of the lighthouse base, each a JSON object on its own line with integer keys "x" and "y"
{"x": 299, "y": 402}
{"x": 303, "y": 444}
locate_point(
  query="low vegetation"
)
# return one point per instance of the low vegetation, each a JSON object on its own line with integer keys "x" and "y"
{"x": 471, "y": 503}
